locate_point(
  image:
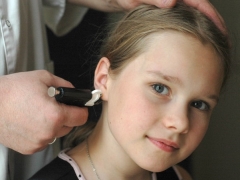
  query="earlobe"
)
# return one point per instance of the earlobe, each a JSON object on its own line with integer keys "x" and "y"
{"x": 101, "y": 76}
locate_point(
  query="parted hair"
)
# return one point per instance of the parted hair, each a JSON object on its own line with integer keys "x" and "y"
{"x": 127, "y": 40}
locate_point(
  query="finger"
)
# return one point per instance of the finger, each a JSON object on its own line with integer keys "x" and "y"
{"x": 165, "y": 3}
{"x": 52, "y": 80}
{"x": 130, "y": 4}
{"x": 74, "y": 116}
{"x": 60, "y": 133}
{"x": 53, "y": 141}
{"x": 63, "y": 131}
{"x": 209, "y": 10}
{"x": 59, "y": 82}
{"x": 158, "y": 3}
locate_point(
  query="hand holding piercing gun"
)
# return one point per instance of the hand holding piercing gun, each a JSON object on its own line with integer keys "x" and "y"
{"x": 75, "y": 97}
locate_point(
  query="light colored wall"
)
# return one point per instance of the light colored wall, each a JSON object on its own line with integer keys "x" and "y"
{"x": 218, "y": 157}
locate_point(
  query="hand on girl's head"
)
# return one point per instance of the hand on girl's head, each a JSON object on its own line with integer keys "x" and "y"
{"x": 202, "y": 5}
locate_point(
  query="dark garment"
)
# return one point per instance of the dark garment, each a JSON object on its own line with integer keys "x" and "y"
{"x": 59, "y": 169}
{"x": 168, "y": 174}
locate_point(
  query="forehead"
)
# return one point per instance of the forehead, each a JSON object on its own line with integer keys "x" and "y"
{"x": 179, "y": 55}
{"x": 184, "y": 47}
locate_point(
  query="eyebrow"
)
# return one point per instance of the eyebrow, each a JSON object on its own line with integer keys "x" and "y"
{"x": 178, "y": 81}
{"x": 166, "y": 77}
{"x": 214, "y": 97}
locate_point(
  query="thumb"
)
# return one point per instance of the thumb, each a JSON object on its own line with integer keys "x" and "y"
{"x": 166, "y": 3}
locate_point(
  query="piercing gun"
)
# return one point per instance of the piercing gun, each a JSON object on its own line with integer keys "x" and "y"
{"x": 75, "y": 97}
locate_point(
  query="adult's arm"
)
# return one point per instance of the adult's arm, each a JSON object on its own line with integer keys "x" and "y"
{"x": 29, "y": 118}
{"x": 119, "y": 5}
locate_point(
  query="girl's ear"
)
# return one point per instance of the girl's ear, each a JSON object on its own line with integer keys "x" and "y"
{"x": 101, "y": 76}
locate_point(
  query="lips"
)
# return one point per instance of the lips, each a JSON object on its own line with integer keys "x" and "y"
{"x": 165, "y": 145}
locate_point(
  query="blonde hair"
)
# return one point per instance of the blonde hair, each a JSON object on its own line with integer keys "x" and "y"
{"x": 126, "y": 40}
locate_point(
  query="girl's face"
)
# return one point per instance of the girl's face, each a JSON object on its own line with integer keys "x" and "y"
{"x": 160, "y": 105}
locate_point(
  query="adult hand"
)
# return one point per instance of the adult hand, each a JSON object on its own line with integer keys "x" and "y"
{"x": 29, "y": 118}
{"x": 120, "y": 5}
{"x": 202, "y": 5}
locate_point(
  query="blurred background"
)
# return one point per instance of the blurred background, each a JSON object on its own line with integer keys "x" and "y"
{"x": 218, "y": 156}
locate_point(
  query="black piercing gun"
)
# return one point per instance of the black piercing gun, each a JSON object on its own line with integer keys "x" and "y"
{"x": 75, "y": 97}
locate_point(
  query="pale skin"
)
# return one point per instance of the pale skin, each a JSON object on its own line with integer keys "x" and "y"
{"x": 17, "y": 130}
{"x": 29, "y": 118}
{"x": 153, "y": 117}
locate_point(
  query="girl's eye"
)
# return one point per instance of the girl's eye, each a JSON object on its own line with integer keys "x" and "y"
{"x": 159, "y": 88}
{"x": 201, "y": 105}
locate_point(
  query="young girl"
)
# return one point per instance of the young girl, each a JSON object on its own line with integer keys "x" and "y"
{"x": 161, "y": 74}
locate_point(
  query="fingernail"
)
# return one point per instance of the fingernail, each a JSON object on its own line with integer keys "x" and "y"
{"x": 167, "y": 3}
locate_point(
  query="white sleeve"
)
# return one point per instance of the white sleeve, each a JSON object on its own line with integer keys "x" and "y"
{"x": 61, "y": 17}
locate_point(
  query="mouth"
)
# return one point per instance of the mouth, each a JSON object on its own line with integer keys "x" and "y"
{"x": 165, "y": 145}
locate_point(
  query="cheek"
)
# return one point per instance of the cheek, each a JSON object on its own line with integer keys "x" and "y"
{"x": 197, "y": 133}
{"x": 132, "y": 111}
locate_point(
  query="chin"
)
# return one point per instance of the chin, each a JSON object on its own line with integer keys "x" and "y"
{"x": 159, "y": 167}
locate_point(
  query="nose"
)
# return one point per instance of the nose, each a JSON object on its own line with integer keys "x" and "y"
{"x": 177, "y": 119}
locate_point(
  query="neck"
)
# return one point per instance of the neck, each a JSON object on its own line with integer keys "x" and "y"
{"x": 109, "y": 159}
